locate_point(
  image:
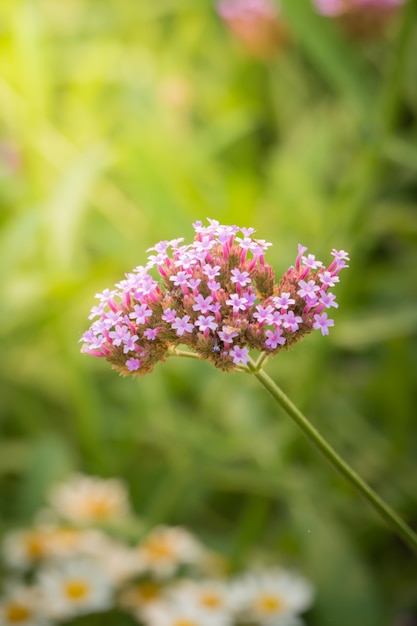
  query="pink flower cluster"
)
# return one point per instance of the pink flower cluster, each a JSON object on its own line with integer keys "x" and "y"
{"x": 246, "y": 9}
{"x": 333, "y": 8}
{"x": 217, "y": 296}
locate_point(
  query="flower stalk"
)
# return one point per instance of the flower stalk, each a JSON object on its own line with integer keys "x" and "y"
{"x": 383, "y": 509}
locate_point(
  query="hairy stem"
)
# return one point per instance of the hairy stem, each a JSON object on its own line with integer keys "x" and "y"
{"x": 396, "y": 523}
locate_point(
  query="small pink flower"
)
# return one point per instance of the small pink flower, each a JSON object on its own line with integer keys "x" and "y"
{"x": 182, "y": 325}
{"x": 239, "y": 355}
{"x": 133, "y": 364}
{"x": 322, "y": 323}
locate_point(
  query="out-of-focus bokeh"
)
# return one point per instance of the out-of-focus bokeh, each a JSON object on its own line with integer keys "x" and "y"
{"x": 121, "y": 123}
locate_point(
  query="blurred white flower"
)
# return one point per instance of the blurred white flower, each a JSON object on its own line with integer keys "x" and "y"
{"x": 210, "y": 597}
{"x": 20, "y": 605}
{"x": 87, "y": 499}
{"x": 170, "y": 614}
{"x": 65, "y": 541}
{"x": 141, "y": 595}
{"x": 118, "y": 561}
{"x": 166, "y": 548}
{"x": 74, "y": 587}
{"x": 24, "y": 548}
{"x": 272, "y": 597}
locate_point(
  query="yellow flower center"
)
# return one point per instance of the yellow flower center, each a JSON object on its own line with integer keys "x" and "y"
{"x": 148, "y": 591}
{"x": 158, "y": 549}
{"x": 35, "y": 545}
{"x": 270, "y": 603}
{"x": 16, "y": 613}
{"x": 210, "y": 600}
{"x": 76, "y": 589}
{"x": 185, "y": 622}
{"x": 100, "y": 508}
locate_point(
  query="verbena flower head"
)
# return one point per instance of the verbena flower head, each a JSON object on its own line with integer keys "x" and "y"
{"x": 217, "y": 296}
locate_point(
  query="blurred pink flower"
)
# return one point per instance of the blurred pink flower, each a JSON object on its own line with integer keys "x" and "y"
{"x": 360, "y": 17}
{"x": 256, "y": 23}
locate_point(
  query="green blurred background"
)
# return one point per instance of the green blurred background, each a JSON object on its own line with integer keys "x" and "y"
{"x": 121, "y": 123}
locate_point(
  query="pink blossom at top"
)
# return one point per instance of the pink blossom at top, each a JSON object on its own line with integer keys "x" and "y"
{"x": 333, "y": 8}
{"x": 328, "y": 279}
{"x": 159, "y": 247}
{"x": 96, "y": 311}
{"x": 340, "y": 255}
{"x": 246, "y": 10}
{"x": 157, "y": 259}
{"x": 205, "y": 244}
{"x": 310, "y": 261}
{"x": 105, "y": 295}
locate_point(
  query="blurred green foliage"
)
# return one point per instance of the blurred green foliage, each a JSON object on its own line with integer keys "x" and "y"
{"x": 123, "y": 122}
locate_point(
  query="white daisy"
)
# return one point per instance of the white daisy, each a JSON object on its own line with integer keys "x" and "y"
{"x": 140, "y": 596}
{"x": 211, "y": 597}
{"x": 170, "y": 614}
{"x": 24, "y": 548}
{"x": 20, "y": 605}
{"x": 65, "y": 542}
{"x": 166, "y": 548}
{"x": 74, "y": 587}
{"x": 118, "y": 561}
{"x": 273, "y": 597}
{"x": 87, "y": 499}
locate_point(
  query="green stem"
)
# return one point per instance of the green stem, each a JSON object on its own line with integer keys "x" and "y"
{"x": 184, "y": 353}
{"x": 397, "y": 524}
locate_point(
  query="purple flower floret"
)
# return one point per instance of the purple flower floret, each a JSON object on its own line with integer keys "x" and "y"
{"x": 217, "y": 296}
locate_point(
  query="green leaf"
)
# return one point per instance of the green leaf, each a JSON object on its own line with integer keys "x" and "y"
{"x": 50, "y": 461}
{"x": 333, "y": 57}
